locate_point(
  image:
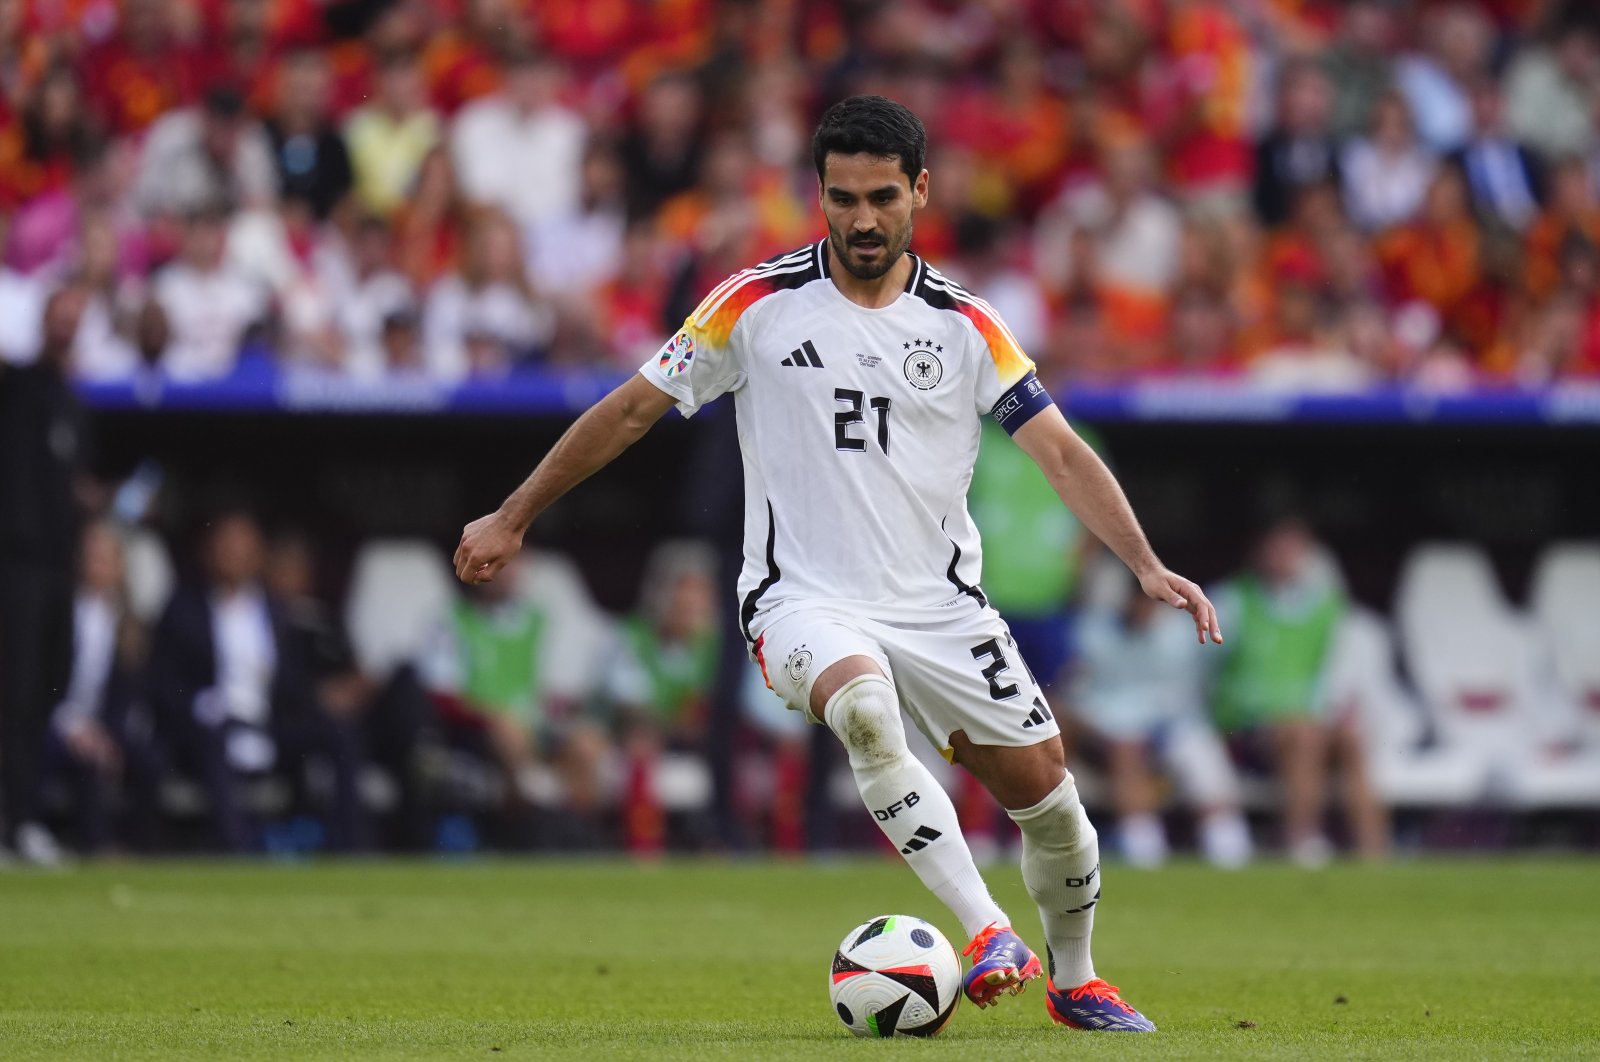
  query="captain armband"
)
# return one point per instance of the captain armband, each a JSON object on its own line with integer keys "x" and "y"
{"x": 1019, "y": 404}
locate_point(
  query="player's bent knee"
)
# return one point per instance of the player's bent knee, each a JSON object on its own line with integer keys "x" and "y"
{"x": 865, "y": 714}
{"x": 1058, "y": 820}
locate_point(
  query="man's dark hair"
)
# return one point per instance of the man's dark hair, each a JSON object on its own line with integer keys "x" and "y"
{"x": 871, "y": 125}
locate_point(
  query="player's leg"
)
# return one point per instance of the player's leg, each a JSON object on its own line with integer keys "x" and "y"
{"x": 972, "y": 694}
{"x": 1061, "y": 869}
{"x": 856, "y": 700}
{"x": 840, "y": 676}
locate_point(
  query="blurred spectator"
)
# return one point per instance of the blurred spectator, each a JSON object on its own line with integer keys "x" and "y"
{"x": 1130, "y": 255}
{"x": 1281, "y": 616}
{"x": 210, "y": 307}
{"x": 46, "y": 228}
{"x": 98, "y": 740}
{"x": 389, "y": 712}
{"x": 428, "y": 224}
{"x": 104, "y": 348}
{"x": 1360, "y": 65}
{"x": 991, "y": 259}
{"x": 43, "y": 459}
{"x": 313, "y": 166}
{"x": 236, "y": 697}
{"x": 1504, "y": 177}
{"x": 662, "y": 147}
{"x": 401, "y": 339}
{"x": 1137, "y": 689}
{"x": 1386, "y": 174}
{"x": 1213, "y": 70}
{"x": 1438, "y": 259}
{"x": 661, "y": 680}
{"x": 521, "y": 149}
{"x": 208, "y": 157}
{"x": 1300, "y": 150}
{"x": 1571, "y": 216}
{"x": 465, "y": 62}
{"x": 578, "y": 250}
{"x": 22, "y": 299}
{"x": 1436, "y": 81}
{"x": 1550, "y": 92}
{"x": 484, "y": 672}
{"x": 243, "y": 48}
{"x": 485, "y": 312}
{"x": 1201, "y": 336}
{"x": 390, "y": 136}
{"x": 365, "y": 289}
{"x": 146, "y": 70}
{"x": 733, "y": 192}
{"x": 626, "y": 315}
{"x": 41, "y": 151}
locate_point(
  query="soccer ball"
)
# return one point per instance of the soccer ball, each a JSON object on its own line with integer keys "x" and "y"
{"x": 895, "y": 975}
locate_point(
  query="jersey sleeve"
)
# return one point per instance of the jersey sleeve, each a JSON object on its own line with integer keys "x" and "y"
{"x": 1008, "y": 389}
{"x": 705, "y": 358}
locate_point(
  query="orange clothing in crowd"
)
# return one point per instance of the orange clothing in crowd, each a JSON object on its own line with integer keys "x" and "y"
{"x": 22, "y": 178}
{"x": 781, "y": 222}
{"x": 458, "y": 70}
{"x": 1542, "y": 263}
{"x": 129, "y": 90}
{"x": 1442, "y": 266}
{"x": 1211, "y": 61}
{"x": 1027, "y": 140}
{"x": 587, "y": 33}
{"x": 426, "y": 248}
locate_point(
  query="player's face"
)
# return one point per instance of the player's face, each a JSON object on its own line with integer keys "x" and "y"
{"x": 868, "y": 202}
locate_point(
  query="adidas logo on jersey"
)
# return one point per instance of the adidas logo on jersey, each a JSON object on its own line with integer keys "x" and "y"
{"x": 797, "y": 358}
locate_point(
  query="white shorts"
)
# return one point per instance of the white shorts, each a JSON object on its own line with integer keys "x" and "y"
{"x": 958, "y": 670}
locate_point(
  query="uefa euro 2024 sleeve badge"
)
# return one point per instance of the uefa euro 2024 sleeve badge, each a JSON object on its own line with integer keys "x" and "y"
{"x": 922, "y": 367}
{"x": 677, "y": 354}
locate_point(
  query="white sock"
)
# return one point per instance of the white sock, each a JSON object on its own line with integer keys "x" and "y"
{"x": 911, "y": 808}
{"x": 1225, "y": 839}
{"x": 1143, "y": 840}
{"x": 1061, "y": 868}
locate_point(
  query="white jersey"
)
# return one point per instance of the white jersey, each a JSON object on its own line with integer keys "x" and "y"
{"x": 858, "y": 428}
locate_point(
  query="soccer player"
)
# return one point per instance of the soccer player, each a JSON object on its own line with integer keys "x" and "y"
{"x": 859, "y": 376}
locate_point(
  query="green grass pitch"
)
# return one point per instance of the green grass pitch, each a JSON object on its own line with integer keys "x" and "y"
{"x": 711, "y": 960}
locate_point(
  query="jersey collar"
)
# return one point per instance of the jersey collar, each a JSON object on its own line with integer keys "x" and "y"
{"x": 825, "y": 261}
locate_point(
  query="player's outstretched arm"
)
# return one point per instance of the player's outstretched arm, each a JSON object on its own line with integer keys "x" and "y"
{"x": 606, "y": 429}
{"x": 1087, "y": 487}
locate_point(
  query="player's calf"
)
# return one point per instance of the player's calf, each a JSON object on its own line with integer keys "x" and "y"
{"x": 906, "y": 801}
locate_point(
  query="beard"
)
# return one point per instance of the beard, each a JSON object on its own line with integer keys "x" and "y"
{"x": 894, "y": 245}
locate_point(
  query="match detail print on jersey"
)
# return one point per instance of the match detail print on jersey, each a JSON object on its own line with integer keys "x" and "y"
{"x": 858, "y": 429}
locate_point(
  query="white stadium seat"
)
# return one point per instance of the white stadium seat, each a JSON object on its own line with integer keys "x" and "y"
{"x": 1565, "y": 600}
{"x": 400, "y": 591}
{"x": 1481, "y": 671}
{"x": 1406, "y": 771}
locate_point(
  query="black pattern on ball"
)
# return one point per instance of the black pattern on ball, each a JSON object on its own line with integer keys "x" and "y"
{"x": 922, "y": 938}
{"x": 845, "y": 1015}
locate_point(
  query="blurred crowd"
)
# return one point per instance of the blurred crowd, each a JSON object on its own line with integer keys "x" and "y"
{"x": 1301, "y": 193}
{"x": 230, "y": 687}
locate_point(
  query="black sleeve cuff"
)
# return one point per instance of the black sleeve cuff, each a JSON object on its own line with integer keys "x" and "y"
{"x": 1018, "y": 405}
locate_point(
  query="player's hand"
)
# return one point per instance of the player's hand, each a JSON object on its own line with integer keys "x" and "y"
{"x": 1179, "y": 592}
{"x": 487, "y": 545}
